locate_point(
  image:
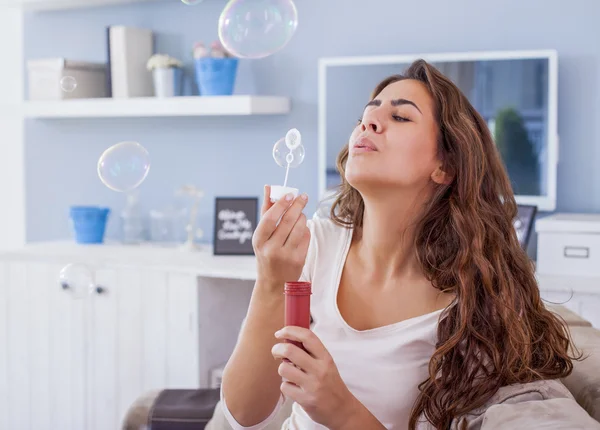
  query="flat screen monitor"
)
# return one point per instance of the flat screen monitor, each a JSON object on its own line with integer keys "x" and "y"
{"x": 515, "y": 92}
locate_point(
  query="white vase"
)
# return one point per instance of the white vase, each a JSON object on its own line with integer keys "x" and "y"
{"x": 167, "y": 82}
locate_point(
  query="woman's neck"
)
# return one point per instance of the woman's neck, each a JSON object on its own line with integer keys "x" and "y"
{"x": 385, "y": 243}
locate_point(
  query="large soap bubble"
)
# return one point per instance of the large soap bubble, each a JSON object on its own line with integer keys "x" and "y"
{"x": 257, "y": 28}
{"x": 124, "y": 166}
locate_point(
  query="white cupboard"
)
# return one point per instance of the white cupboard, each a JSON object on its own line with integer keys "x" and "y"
{"x": 77, "y": 363}
{"x": 581, "y": 294}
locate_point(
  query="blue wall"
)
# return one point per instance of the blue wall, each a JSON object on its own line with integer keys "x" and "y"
{"x": 232, "y": 156}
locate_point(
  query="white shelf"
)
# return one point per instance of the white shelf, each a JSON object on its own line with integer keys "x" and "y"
{"x": 157, "y": 107}
{"x": 43, "y": 5}
{"x": 200, "y": 262}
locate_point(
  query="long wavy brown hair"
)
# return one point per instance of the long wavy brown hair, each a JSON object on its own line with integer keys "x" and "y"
{"x": 499, "y": 332}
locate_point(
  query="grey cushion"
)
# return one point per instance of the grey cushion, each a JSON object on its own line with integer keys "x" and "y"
{"x": 138, "y": 414}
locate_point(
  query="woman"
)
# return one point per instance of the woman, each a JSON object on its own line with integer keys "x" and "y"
{"x": 424, "y": 304}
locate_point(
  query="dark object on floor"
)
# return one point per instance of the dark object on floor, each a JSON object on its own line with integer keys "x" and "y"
{"x": 183, "y": 409}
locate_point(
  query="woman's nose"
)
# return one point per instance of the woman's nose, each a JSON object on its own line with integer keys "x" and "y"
{"x": 371, "y": 123}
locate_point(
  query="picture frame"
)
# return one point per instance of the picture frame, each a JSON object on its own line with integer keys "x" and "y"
{"x": 524, "y": 223}
{"x": 235, "y": 219}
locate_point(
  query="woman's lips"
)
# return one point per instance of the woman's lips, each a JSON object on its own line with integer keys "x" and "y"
{"x": 358, "y": 149}
{"x": 364, "y": 144}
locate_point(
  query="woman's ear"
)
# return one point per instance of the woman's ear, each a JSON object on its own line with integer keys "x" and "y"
{"x": 440, "y": 177}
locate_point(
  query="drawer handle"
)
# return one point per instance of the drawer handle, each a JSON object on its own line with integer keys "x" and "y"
{"x": 577, "y": 252}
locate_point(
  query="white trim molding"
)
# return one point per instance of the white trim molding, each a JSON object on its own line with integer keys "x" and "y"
{"x": 12, "y": 141}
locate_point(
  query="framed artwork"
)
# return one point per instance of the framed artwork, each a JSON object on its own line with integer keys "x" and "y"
{"x": 524, "y": 223}
{"x": 235, "y": 222}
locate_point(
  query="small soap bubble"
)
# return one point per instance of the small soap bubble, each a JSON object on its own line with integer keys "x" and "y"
{"x": 68, "y": 84}
{"x": 284, "y": 157}
{"x": 124, "y": 166}
{"x": 293, "y": 138}
{"x": 257, "y": 28}
{"x": 77, "y": 279}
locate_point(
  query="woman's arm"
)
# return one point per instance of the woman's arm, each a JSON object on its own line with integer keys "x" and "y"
{"x": 250, "y": 386}
{"x": 251, "y": 383}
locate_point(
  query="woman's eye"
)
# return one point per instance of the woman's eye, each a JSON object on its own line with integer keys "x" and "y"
{"x": 400, "y": 118}
{"x": 359, "y": 121}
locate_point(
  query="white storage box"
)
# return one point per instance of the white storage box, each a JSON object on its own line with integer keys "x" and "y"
{"x": 568, "y": 245}
{"x": 45, "y": 77}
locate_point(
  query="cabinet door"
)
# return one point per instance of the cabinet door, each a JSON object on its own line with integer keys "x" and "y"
{"x": 42, "y": 382}
{"x": 585, "y": 305}
{"x": 144, "y": 337}
{"x": 570, "y": 300}
{"x": 590, "y": 308}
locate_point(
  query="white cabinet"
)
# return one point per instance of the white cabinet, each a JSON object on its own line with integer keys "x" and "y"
{"x": 581, "y": 294}
{"x": 569, "y": 245}
{"x": 585, "y": 305}
{"x": 42, "y": 360}
{"x": 74, "y": 363}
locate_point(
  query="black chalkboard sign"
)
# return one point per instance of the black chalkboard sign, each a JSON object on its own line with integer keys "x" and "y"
{"x": 235, "y": 222}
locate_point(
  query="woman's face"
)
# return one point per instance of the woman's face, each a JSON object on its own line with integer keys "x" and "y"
{"x": 395, "y": 143}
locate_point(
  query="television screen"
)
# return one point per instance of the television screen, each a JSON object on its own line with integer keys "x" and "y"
{"x": 515, "y": 92}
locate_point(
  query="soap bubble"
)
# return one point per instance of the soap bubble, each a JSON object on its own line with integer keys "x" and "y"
{"x": 257, "y": 28}
{"x": 293, "y": 139}
{"x": 76, "y": 279}
{"x": 68, "y": 84}
{"x": 191, "y": 2}
{"x": 124, "y": 166}
{"x": 284, "y": 156}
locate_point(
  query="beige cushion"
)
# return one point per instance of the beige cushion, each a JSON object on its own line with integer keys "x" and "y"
{"x": 545, "y": 404}
{"x": 554, "y": 414}
{"x": 584, "y": 382}
{"x": 570, "y": 317}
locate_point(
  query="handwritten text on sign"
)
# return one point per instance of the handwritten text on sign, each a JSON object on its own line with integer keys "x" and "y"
{"x": 236, "y": 226}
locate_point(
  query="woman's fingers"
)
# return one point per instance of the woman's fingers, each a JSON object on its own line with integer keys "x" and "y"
{"x": 296, "y": 355}
{"x": 306, "y": 337}
{"x": 291, "y": 373}
{"x": 266, "y": 200}
{"x": 298, "y": 233}
{"x": 269, "y": 221}
{"x": 289, "y": 219}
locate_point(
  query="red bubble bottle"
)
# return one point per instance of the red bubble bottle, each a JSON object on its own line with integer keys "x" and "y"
{"x": 297, "y": 306}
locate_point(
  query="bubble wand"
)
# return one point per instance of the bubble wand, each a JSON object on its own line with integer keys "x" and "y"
{"x": 288, "y": 153}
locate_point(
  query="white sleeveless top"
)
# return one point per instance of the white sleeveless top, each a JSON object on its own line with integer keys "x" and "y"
{"x": 381, "y": 367}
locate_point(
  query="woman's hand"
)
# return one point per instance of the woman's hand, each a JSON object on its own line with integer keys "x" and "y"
{"x": 312, "y": 380}
{"x": 281, "y": 240}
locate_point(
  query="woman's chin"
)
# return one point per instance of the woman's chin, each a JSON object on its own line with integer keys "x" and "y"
{"x": 361, "y": 180}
